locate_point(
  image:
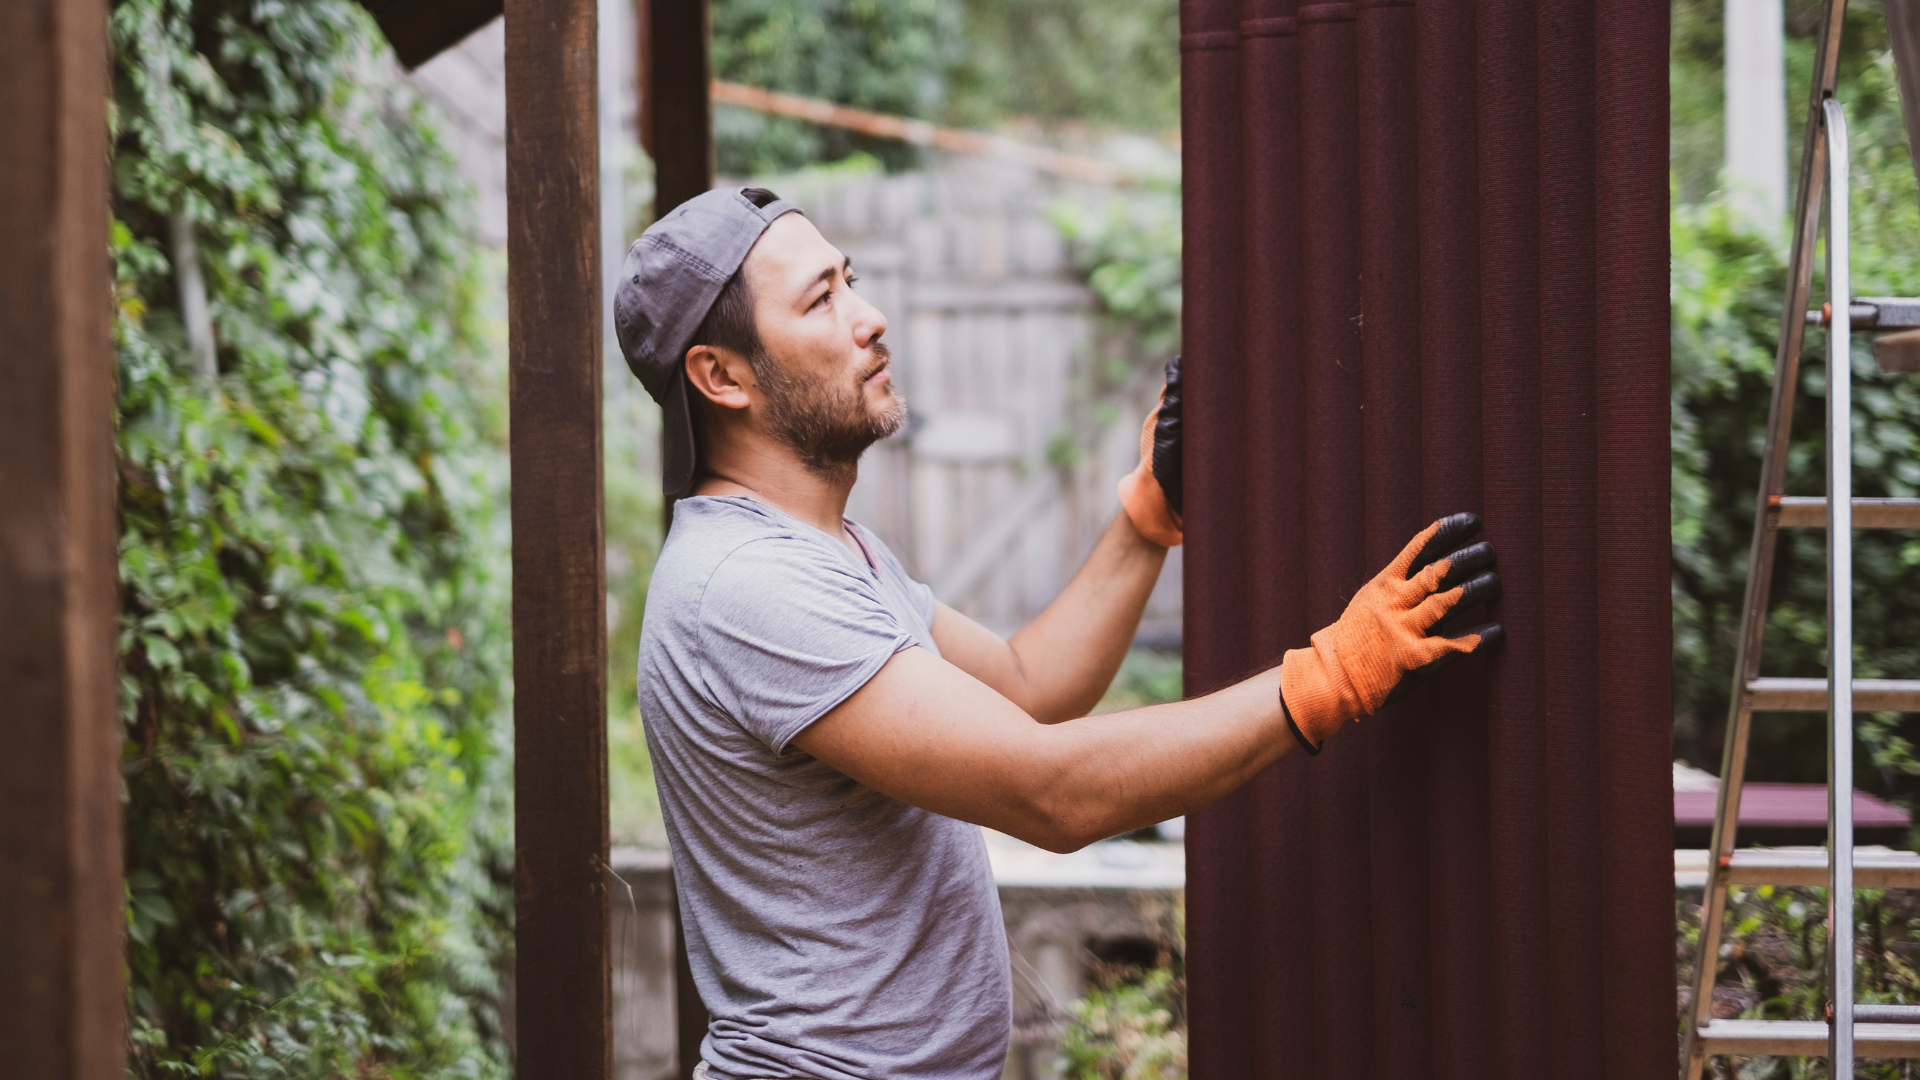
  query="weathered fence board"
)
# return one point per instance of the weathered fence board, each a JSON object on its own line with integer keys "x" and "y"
{"x": 1004, "y": 480}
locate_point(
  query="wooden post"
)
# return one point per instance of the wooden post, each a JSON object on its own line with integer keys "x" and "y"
{"x": 676, "y": 130}
{"x": 562, "y": 984}
{"x": 676, "y": 124}
{"x": 62, "y": 1003}
{"x": 676, "y": 106}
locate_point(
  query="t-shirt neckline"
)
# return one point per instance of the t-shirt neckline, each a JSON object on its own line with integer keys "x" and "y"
{"x": 873, "y": 564}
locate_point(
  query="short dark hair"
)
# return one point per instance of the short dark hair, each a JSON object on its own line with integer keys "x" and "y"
{"x": 729, "y": 323}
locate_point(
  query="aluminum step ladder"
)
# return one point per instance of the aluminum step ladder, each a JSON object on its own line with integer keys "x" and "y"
{"x": 1868, "y": 1031}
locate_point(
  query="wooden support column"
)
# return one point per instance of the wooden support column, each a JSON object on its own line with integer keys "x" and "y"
{"x": 676, "y": 130}
{"x": 676, "y": 103}
{"x": 62, "y": 1003}
{"x": 562, "y": 986}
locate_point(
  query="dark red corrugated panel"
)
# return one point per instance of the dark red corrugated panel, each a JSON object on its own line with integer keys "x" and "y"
{"x": 1274, "y": 474}
{"x": 1426, "y": 262}
{"x": 1219, "y": 872}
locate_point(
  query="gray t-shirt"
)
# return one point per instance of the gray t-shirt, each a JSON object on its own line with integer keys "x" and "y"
{"x": 834, "y": 932}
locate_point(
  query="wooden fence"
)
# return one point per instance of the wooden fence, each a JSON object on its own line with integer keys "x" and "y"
{"x": 1004, "y": 478}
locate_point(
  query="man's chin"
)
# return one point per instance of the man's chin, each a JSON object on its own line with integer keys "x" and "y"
{"x": 889, "y": 415}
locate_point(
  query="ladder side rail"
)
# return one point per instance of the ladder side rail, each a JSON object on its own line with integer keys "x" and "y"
{"x": 1786, "y": 371}
{"x": 1840, "y": 1049}
{"x": 1903, "y": 33}
{"x": 1813, "y": 165}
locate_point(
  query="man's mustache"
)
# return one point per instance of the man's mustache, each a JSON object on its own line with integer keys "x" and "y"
{"x": 881, "y": 356}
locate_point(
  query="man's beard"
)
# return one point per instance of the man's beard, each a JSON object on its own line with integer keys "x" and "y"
{"x": 827, "y": 422}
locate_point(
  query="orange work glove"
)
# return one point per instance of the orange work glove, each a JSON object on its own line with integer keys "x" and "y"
{"x": 1151, "y": 494}
{"x": 1393, "y": 634}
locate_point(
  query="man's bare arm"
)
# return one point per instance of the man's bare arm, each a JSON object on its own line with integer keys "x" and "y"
{"x": 1058, "y": 665}
{"x": 927, "y": 733}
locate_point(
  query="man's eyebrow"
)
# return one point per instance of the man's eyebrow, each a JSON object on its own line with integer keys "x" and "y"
{"x": 845, "y": 267}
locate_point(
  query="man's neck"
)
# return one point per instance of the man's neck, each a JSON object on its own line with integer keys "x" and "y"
{"x": 761, "y": 468}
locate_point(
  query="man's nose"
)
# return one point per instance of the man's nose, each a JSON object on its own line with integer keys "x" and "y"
{"x": 868, "y": 323}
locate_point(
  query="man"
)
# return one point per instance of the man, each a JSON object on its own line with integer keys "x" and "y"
{"x": 826, "y": 735}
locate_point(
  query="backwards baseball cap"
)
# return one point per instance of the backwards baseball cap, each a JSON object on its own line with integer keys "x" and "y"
{"x": 671, "y": 277}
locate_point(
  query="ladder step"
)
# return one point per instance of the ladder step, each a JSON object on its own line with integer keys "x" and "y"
{"x": 1810, "y": 695}
{"x": 1873, "y": 867}
{"x": 1873, "y": 313}
{"x": 1805, "y": 1038}
{"x": 1810, "y": 512}
{"x": 1885, "y": 1014}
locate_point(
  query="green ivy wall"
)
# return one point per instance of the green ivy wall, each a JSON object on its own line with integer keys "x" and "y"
{"x": 314, "y": 640}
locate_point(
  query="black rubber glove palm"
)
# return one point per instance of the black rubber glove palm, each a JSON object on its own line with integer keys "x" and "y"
{"x": 1152, "y": 494}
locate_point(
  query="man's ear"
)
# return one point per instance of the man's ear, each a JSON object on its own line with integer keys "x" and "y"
{"x": 720, "y": 375}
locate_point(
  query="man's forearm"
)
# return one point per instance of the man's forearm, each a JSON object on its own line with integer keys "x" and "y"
{"x": 926, "y": 733}
{"x": 1069, "y": 655}
{"x": 1128, "y": 770}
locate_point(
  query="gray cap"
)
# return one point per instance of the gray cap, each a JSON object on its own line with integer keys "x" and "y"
{"x": 668, "y": 283}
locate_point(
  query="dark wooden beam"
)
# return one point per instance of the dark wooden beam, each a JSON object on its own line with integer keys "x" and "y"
{"x": 676, "y": 131}
{"x": 62, "y": 1003}
{"x": 420, "y": 30}
{"x": 676, "y": 106}
{"x": 562, "y": 986}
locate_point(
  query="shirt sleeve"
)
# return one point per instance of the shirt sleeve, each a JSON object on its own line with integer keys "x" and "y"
{"x": 788, "y": 631}
{"x": 921, "y": 595}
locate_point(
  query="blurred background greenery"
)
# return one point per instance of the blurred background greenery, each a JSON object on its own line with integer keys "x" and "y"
{"x": 314, "y": 636}
{"x": 313, "y": 546}
{"x": 1045, "y": 70}
{"x": 1726, "y": 286}
{"x": 1055, "y": 65}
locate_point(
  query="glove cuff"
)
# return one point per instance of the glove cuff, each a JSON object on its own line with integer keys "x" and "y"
{"x": 1299, "y": 735}
{"x": 1146, "y": 507}
{"x": 1316, "y": 696}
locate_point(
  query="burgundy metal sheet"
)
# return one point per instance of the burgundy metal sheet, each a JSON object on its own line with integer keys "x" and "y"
{"x": 1222, "y": 908}
{"x": 1275, "y": 471}
{"x": 1797, "y": 805}
{"x": 1632, "y": 526}
{"x": 1426, "y": 263}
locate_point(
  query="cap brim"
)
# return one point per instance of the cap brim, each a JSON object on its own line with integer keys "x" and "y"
{"x": 676, "y": 438}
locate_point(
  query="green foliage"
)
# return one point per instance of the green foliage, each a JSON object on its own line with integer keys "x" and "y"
{"x": 314, "y": 644}
{"x": 633, "y": 542}
{"x": 889, "y": 57}
{"x": 1726, "y": 289}
{"x": 1131, "y": 1026}
{"x": 1129, "y": 251}
{"x": 1696, "y": 91}
{"x": 1774, "y": 955}
{"x": 1146, "y": 677}
{"x": 1086, "y": 61}
{"x": 972, "y": 63}
{"x": 1697, "y": 88}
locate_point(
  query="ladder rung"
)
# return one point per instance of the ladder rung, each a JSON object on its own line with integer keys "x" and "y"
{"x": 1805, "y": 1038}
{"x": 1810, "y": 695}
{"x": 1810, "y": 512}
{"x": 1874, "y": 313}
{"x": 1873, "y": 867}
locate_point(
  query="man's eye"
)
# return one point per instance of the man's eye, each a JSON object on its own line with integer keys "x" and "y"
{"x": 851, "y": 280}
